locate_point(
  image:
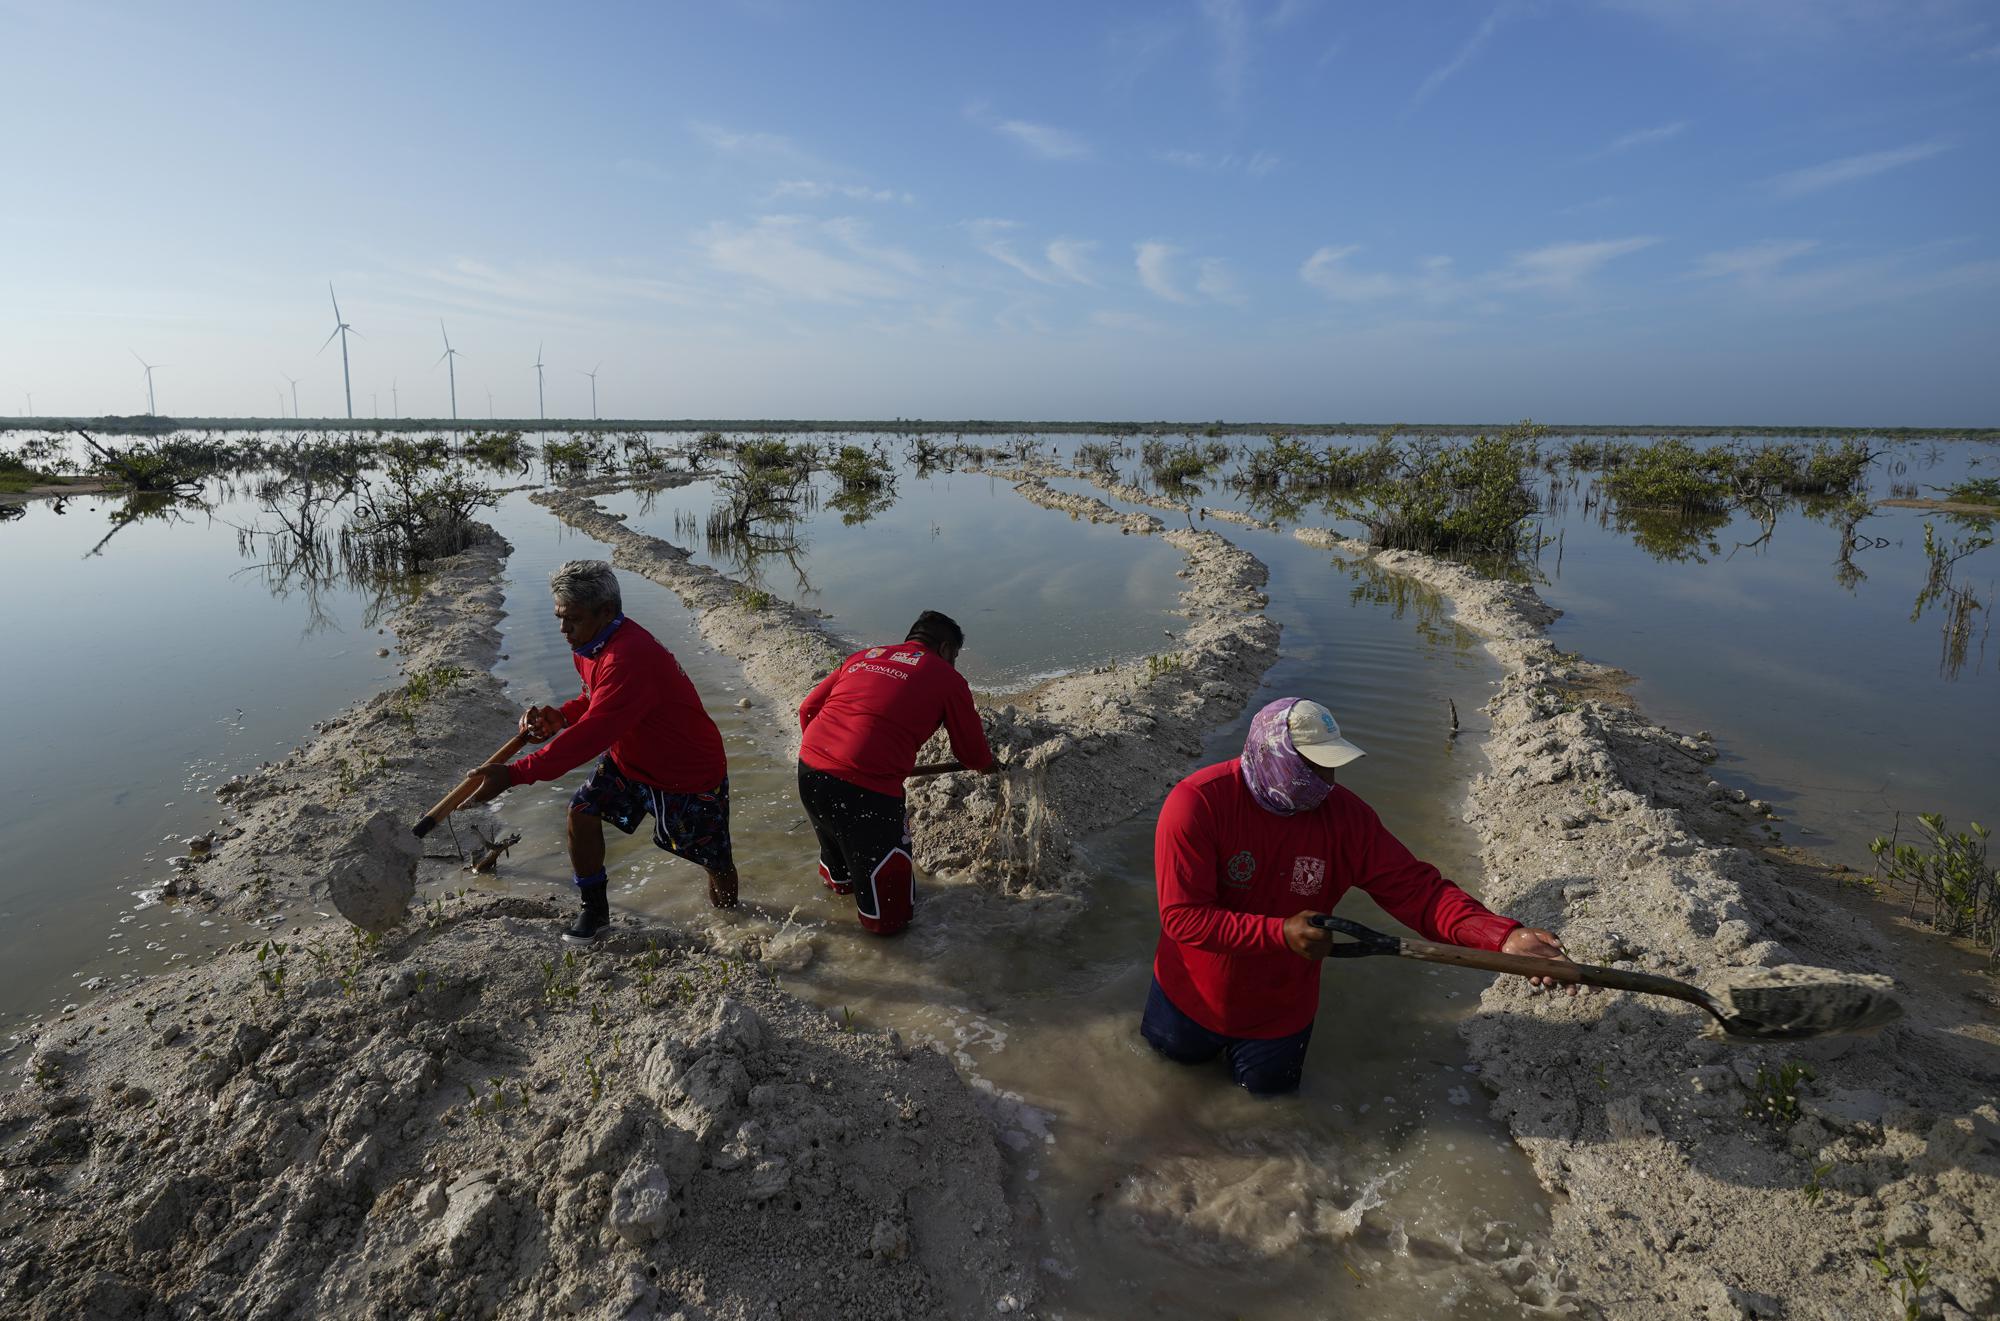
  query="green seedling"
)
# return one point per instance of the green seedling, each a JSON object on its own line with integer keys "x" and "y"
{"x": 1816, "y": 1187}
{"x": 1907, "y": 1279}
{"x": 1774, "y": 1096}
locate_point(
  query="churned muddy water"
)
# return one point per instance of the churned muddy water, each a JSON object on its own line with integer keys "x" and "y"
{"x": 1383, "y": 1189}
{"x": 147, "y": 660}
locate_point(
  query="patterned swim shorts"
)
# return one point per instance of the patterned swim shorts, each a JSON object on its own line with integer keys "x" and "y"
{"x": 692, "y": 826}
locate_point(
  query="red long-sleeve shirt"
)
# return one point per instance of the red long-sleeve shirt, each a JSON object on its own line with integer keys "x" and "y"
{"x": 866, "y": 720}
{"x": 1230, "y": 873}
{"x": 638, "y": 704}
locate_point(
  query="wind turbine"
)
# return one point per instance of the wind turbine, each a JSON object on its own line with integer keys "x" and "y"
{"x": 489, "y": 405}
{"x": 395, "y": 399}
{"x": 281, "y": 400}
{"x": 451, "y": 367}
{"x": 540, "y": 403}
{"x": 295, "y": 398}
{"x": 592, "y": 374}
{"x": 341, "y": 328}
{"x": 149, "y": 366}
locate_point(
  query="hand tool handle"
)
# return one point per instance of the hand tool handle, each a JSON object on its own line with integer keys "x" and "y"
{"x": 1525, "y": 965}
{"x": 466, "y": 788}
{"x": 934, "y": 768}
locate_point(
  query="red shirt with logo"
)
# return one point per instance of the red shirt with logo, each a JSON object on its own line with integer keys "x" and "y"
{"x": 1230, "y": 873}
{"x": 638, "y": 704}
{"x": 866, "y": 721}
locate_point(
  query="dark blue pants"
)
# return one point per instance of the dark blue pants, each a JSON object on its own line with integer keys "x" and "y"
{"x": 1261, "y": 1066}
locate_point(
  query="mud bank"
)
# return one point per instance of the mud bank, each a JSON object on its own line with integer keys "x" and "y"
{"x": 286, "y": 825}
{"x": 461, "y": 1120}
{"x": 1678, "y": 1203}
{"x": 1078, "y": 753}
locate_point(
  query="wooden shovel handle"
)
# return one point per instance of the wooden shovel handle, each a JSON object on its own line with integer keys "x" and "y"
{"x": 1557, "y": 970}
{"x": 934, "y": 768}
{"x": 467, "y": 787}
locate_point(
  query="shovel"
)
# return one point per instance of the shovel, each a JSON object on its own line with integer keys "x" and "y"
{"x": 1784, "y": 1011}
{"x": 466, "y": 788}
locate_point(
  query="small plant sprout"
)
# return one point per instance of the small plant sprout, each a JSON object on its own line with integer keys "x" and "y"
{"x": 271, "y": 968}
{"x": 1774, "y": 1095}
{"x": 596, "y": 1077}
{"x": 1906, "y": 1279}
{"x": 1815, "y": 1186}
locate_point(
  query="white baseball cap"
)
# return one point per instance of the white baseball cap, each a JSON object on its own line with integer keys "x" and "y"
{"x": 1316, "y": 735}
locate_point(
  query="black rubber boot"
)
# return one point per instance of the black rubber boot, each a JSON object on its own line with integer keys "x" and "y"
{"x": 593, "y": 917}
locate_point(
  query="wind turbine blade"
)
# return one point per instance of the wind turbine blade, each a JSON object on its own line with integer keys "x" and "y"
{"x": 329, "y": 340}
{"x": 441, "y": 358}
{"x": 336, "y": 301}
{"x": 135, "y": 357}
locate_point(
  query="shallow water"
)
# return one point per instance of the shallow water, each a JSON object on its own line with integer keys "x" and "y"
{"x": 141, "y": 676}
{"x": 1385, "y": 1186}
{"x": 1828, "y": 700}
{"x": 1036, "y": 594}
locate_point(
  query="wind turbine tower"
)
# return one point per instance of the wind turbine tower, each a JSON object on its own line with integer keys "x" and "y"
{"x": 592, "y": 374}
{"x": 341, "y": 328}
{"x": 541, "y": 404}
{"x": 395, "y": 399}
{"x": 149, "y": 366}
{"x": 295, "y": 398}
{"x": 451, "y": 366}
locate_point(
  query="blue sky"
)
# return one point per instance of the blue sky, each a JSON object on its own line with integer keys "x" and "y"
{"x": 1693, "y": 211}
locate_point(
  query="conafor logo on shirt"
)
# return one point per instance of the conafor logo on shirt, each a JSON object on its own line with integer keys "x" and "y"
{"x": 1241, "y": 868}
{"x": 1308, "y": 875}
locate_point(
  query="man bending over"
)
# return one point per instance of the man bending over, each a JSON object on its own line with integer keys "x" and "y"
{"x": 864, "y": 725}
{"x": 661, "y": 752}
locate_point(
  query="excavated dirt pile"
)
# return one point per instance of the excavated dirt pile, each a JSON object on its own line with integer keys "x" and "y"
{"x": 461, "y": 1120}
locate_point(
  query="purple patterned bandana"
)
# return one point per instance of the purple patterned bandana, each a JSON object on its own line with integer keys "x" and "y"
{"x": 1279, "y": 778}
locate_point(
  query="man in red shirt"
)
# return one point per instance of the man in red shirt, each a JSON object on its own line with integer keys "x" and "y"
{"x": 661, "y": 752}
{"x": 864, "y": 724}
{"x": 1246, "y": 853}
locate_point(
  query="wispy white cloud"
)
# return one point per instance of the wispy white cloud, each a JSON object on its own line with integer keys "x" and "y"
{"x": 1155, "y": 263}
{"x": 1989, "y": 55}
{"x": 1256, "y": 165}
{"x": 1044, "y": 140}
{"x": 1328, "y": 271}
{"x": 1751, "y": 263}
{"x": 1557, "y": 268}
{"x": 821, "y": 261}
{"x": 815, "y": 190}
{"x": 1065, "y": 258}
{"x": 1214, "y": 279}
{"x": 1229, "y": 24}
{"x": 1646, "y": 137}
{"x": 1072, "y": 258}
{"x": 732, "y": 142}
{"x": 1445, "y": 72}
{"x": 1135, "y": 49}
{"x": 1848, "y": 169}
{"x": 1562, "y": 267}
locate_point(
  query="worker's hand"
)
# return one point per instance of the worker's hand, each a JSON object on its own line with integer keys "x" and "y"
{"x": 540, "y": 722}
{"x": 1537, "y": 943}
{"x": 494, "y": 781}
{"x": 1304, "y": 939}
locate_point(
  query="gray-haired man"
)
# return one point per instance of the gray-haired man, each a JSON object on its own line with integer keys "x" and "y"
{"x": 661, "y": 752}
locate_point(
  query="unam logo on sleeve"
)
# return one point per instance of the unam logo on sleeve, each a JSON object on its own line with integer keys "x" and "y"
{"x": 1308, "y": 875}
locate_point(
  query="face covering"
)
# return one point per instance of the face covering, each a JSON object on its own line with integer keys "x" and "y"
{"x": 1279, "y": 778}
{"x": 590, "y": 649}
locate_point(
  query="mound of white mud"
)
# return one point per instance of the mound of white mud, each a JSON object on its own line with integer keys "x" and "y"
{"x": 1079, "y": 752}
{"x": 1704, "y": 1178}
{"x": 462, "y": 1120}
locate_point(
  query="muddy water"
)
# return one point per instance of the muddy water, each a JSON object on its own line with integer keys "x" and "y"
{"x": 139, "y": 677}
{"x": 1160, "y": 1191}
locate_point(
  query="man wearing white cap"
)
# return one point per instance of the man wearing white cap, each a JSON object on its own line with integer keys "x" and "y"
{"x": 1246, "y": 853}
